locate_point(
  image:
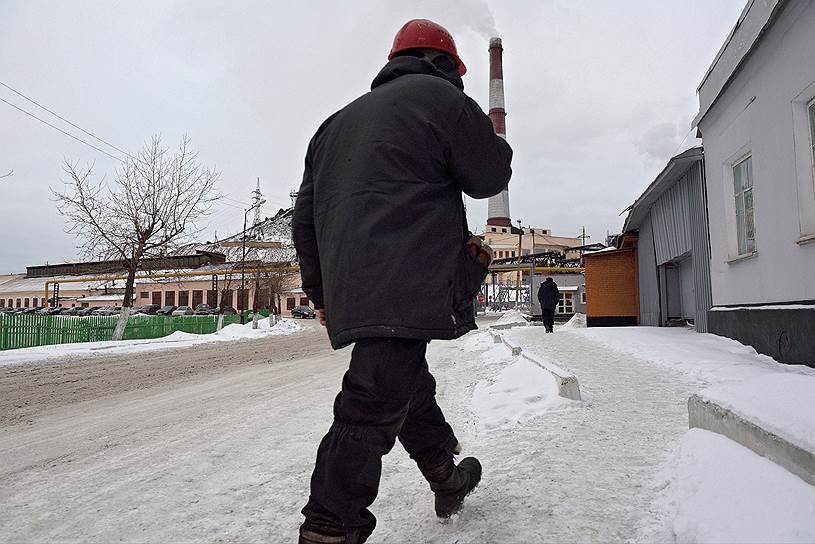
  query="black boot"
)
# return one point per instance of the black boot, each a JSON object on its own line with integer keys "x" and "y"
{"x": 308, "y": 536}
{"x": 451, "y": 489}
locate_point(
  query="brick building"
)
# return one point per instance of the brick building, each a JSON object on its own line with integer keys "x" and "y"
{"x": 612, "y": 297}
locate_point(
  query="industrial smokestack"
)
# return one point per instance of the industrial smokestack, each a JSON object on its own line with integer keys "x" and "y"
{"x": 498, "y": 205}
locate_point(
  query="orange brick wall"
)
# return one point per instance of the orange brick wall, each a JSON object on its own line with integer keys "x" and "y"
{"x": 611, "y": 284}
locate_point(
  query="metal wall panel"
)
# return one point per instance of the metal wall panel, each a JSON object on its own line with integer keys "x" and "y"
{"x": 648, "y": 282}
{"x": 700, "y": 240}
{"x": 669, "y": 220}
{"x": 677, "y": 226}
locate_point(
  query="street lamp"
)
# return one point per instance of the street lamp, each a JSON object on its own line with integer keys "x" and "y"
{"x": 243, "y": 297}
{"x": 518, "y": 271}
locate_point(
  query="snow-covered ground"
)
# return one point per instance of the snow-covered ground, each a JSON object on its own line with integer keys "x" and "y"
{"x": 227, "y": 457}
{"x": 177, "y": 339}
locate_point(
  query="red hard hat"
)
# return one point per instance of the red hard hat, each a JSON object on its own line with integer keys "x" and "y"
{"x": 421, "y": 33}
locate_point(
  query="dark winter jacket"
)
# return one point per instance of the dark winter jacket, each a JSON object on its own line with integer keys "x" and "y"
{"x": 548, "y": 295}
{"x": 379, "y": 223}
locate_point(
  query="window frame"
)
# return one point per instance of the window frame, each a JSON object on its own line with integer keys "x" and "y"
{"x": 810, "y": 111}
{"x": 742, "y": 246}
{"x": 561, "y": 303}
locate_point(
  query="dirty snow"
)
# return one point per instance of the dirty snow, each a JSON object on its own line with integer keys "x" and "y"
{"x": 715, "y": 490}
{"x": 511, "y": 316}
{"x": 578, "y": 321}
{"x": 178, "y": 339}
{"x": 227, "y": 456}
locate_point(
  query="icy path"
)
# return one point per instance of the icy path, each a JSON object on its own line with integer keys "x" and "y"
{"x": 225, "y": 457}
{"x": 576, "y": 475}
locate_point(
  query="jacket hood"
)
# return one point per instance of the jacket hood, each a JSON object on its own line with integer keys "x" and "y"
{"x": 401, "y": 66}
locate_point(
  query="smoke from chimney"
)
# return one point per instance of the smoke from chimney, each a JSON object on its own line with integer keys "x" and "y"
{"x": 498, "y": 205}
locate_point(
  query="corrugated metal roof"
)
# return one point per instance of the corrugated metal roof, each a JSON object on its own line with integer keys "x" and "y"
{"x": 672, "y": 172}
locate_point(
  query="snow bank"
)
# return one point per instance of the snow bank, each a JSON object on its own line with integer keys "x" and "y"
{"x": 783, "y": 404}
{"x": 711, "y": 358}
{"x": 578, "y": 321}
{"x": 511, "y": 316}
{"x": 520, "y": 392}
{"x": 716, "y": 490}
{"x": 177, "y": 339}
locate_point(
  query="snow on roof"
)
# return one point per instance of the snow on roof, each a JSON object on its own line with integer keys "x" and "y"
{"x": 23, "y": 284}
{"x": 604, "y": 250}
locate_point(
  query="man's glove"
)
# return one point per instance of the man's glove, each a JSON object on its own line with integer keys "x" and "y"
{"x": 480, "y": 250}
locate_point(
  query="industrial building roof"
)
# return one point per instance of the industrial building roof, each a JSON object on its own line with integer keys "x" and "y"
{"x": 672, "y": 172}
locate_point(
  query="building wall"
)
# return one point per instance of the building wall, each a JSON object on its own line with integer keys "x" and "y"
{"x": 761, "y": 113}
{"x": 562, "y": 280}
{"x": 612, "y": 296}
{"x": 674, "y": 256}
{"x": 649, "y": 292}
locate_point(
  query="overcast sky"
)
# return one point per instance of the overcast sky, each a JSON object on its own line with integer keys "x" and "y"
{"x": 599, "y": 94}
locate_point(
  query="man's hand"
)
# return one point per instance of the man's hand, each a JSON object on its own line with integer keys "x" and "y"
{"x": 321, "y": 315}
{"x": 480, "y": 250}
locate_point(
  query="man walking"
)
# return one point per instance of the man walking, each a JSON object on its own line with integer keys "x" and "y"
{"x": 549, "y": 296}
{"x": 385, "y": 255}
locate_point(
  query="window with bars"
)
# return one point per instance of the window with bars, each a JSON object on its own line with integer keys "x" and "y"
{"x": 743, "y": 193}
{"x": 566, "y": 304}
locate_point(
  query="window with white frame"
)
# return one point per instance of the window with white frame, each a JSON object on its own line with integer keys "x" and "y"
{"x": 583, "y": 296}
{"x": 811, "y": 109}
{"x": 566, "y": 303}
{"x": 743, "y": 193}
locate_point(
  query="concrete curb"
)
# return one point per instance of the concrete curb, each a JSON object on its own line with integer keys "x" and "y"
{"x": 706, "y": 414}
{"x": 503, "y": 326}
{"x": 568, "y": 386}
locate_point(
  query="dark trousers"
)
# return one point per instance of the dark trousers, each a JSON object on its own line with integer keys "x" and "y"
{"x": 387, "y": 393}
{"x": 548, "y": 318}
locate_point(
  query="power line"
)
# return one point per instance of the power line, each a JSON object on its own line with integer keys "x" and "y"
{"x": 55, "y": 114}
{"x": 59, "y": 129}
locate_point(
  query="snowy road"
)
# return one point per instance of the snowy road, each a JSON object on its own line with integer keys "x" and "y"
{"x": 223, "y": 454}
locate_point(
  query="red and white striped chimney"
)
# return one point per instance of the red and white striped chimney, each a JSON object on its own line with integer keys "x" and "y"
{"x": 498, "y": 205}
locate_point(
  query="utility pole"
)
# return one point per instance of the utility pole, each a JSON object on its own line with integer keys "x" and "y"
{"x": 583, "y": 237}
{"x": 243, "y": 299}
{"x": 518, "y": 264}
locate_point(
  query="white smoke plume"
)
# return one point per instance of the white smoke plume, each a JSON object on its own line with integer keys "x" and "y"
{"x": 460, "y": 15}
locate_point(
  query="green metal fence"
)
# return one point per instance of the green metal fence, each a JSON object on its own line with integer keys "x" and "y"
{"x": 29, "y": 330}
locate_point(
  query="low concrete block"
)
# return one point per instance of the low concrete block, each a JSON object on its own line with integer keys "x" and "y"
{"x": 568, "y": 386}
{"x": 706, "y": 414}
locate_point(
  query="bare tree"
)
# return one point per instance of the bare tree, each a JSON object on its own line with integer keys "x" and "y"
{"x": 270, "y": 282}
{"x": 152, "y": 206}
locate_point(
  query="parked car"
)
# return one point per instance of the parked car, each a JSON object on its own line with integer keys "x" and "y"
{"x": 182, "y": 310}
{"x": 108, "y": 310}
{"x": 203, "y": 309}
{"x": 303, "y": 312}
{"x": 149, "y": 309}
{"x": 167, "y": 310}
{"x": 88, "y": 310}
{"x": 71, "y": 311}
{"x": 228, "y": 310}
{"x": 31, "y": 310}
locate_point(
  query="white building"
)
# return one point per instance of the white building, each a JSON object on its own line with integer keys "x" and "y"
{"x": 757, "y": 120}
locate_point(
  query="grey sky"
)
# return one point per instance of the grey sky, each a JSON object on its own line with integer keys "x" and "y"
{"x": 598, "y": 94}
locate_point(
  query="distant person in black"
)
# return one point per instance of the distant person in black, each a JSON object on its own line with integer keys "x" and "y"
{"x": 549, "y": 296}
